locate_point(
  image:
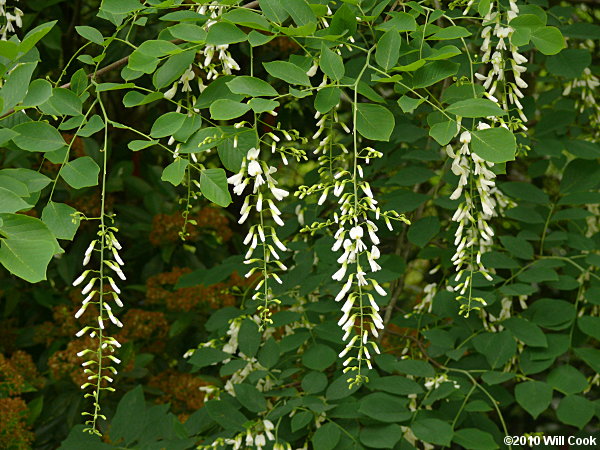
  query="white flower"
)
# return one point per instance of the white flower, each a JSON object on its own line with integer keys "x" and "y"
{"x": 340, "y": 273}
{"x": 254, "y": 168}
{"x": 356, "y": 232}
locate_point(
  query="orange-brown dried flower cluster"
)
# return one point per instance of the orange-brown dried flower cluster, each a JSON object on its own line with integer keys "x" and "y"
{"x": 66, "y": 363}
{"x": 148, "y": 328}
{"x": 90, "y": 205}
{"x": 14, "y": 431}
{"x": 166, "y": 228}
{"x": 11, "y": 381}
{"x": 160, "y": 291}
{"x": 17, "y": 374}
{"x": 182, "y": 390}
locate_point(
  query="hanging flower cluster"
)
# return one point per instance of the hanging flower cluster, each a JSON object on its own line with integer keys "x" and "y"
{"x": 587, "y": 85}
{"x": 473, "y": 236}
{"x": 498, "y": 88}
{"x": 256, "y": 436}
{"x": 256, "y": 174}
{"x": 361, "y": 319}
{"x": 13, "y": 19}
{"x": 224, "y": 64}
{"x": 99, "y": 362}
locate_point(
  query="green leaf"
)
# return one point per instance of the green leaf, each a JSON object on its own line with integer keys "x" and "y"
{"x": 33, "y": 180}
{"x": 38, "y": 137}
{"x": 58, "y": 217}
{"x": 94, "y": 125}
{"x": 15, "y": 86}
{"x": 213, "y": 184}
{"x": 257, "y": 39}
{"x": 569, "y": 63}
{"x": 314, "y": 382}
{"x": 288, "y": 72}
{"x": 548, "y": 40}
{"x": 167, "y": 124}
{"x": 526, "y": 331}
{"x": 374, "y": 122}
{"x": 138, "y": 145}
{"x": 524, "y": 25}
{"x": 327, "y": 98}
{"x": 452, "y": 32}
{"x": 206, "y": 356}
{"x": 10, "y": 202}
{"x": 231, "y": 156}
{"x": 250, "y": 397}
{"x": 447, "y": 51}
{"x": 331, "y": 64}
{"x": 384, "y": 436}
{"x": 172, "y": 69}
{"x": 495, "y": 145}
{"x": 498, "y": 348}
{"x": 120, "y": 6}
{"x": 251, "y": 86}
{"x": 247, "y": 18}
{"x": 261, "y": 105}
{"x": 319, "y": 357}
{"x": 591, "y": 356}
{"x": 191, "y": 124}
{"x": 273, "y": 10}
{"x": 590, "y": 326}
{"x": 27, "y": 246}
{"x": 409, "y": 104}
{"x": 249, "y": 338}
{"x": 575, "y": 410}
{"x": 63, "y": 102}
{"x": 444, "y": 131}
{"x": 39, "y": 92}
{"x": 388, "y": 49}
{"x": 396, "y": 384}
{"x": 225, "y": 109}
{"x": 6, "y": 134}
{"x": 129, "y": 420}
{"x": 434, "y": 431}
{"x": 327, "y": 436}
{"x": 34, "y": 36}
{"x": 134, "y": 98}
{"x": 474, "y": 439}
{"x": 525, "y": 191}
{"x": 91, "y": 34}
{"x": 567, "y": 379}
{"x": 414, "y": 367}
{"x": 300, "y": 12}
{"x": 552, "y": 313}
{"x": 224, "y": 33}
{"x": 226, "y": 415}
{"x": 175, "y": 171}
{"x": 475, "y": 107}
{"x": 400, "y": 22}
{"x": 338, "y": 389}
{"x": 423, "y": 230}
{"x": 434, "y": 72}
{"x": 534, "y": 397}
{"x": 384, "y": 407}
{"x": 81, "y": 172}
{"x": 301, "y": 419}
{"x": 269, "y": 353}
{"x": 188, "y": 32}
{"x": 217, "y": 90}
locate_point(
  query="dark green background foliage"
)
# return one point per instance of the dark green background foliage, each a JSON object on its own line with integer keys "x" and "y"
{"x": 442, "y": 379}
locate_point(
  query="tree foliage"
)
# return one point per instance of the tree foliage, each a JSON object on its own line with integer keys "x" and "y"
{"x": 303, "y": 223}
